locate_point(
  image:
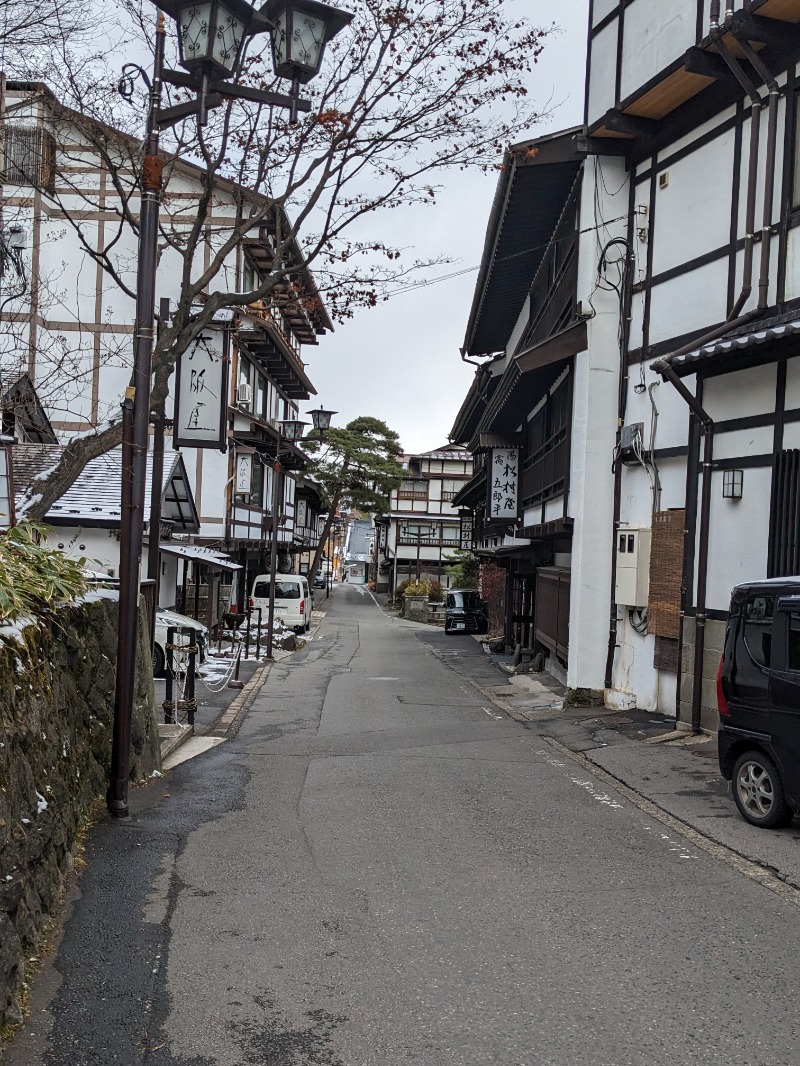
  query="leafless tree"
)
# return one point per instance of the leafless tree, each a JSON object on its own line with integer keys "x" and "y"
{"x": 412, "y": 89}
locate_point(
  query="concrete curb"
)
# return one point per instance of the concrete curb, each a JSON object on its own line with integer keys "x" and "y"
{"x": 229, "y": 722}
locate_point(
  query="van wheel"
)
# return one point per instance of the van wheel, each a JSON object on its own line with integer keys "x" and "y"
{"x": 758, "y": 791}
{"x": 159, "y": 666}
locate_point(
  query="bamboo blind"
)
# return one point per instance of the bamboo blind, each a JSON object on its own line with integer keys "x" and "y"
{"x": 666, "y": 569}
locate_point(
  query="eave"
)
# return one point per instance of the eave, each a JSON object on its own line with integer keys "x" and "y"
{"x": 642, "y": 117}
{"x": 534, "y": 183}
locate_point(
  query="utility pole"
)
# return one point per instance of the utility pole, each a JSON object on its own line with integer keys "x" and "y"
{"x": 136, "y": 416}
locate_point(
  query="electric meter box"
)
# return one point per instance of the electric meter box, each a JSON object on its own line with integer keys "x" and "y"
{"x": 633, "y": 566}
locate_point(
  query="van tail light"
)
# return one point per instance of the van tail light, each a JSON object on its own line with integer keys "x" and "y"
{"x": 302, "y": 606}
{"x": 722, "y": 703}
{"x": 252, "y": 603}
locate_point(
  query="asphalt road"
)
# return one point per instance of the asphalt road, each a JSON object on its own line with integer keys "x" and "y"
{"x": 381, "y": 869}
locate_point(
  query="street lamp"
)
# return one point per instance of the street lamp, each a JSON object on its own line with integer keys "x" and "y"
{"x": 301, "y": 31}
{"x": 211, "y": 34}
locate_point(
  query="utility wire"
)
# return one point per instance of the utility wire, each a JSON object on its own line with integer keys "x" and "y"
{"x": 503, "y": 259}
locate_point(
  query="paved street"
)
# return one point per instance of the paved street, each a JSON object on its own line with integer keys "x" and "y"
{"x": 383, "y": 868}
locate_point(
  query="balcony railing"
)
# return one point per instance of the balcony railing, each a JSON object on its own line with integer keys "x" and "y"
{"x": 449, "y": 541}
{"x": 274, "y": 318}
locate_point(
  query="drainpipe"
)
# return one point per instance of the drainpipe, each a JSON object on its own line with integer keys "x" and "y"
{"x": 769, "y": 189}
{"x": 702, "y": 556}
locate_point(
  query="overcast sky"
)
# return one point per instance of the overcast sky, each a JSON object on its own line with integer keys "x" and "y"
{"x": 400, "y": 361}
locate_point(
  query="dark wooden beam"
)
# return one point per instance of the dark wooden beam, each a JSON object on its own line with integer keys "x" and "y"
{"x": 632, "y": 125}
{"x": 601, "y": 145}
{"x": 708, "y": 65}
{"x": 772, "y": 32}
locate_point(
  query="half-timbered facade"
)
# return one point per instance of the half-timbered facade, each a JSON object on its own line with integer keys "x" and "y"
{"x": 421, "y": 527}
{"x": 681, "y": 419}
{"x": 67, "y": 326}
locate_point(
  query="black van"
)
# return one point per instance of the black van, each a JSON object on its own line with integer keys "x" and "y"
{"x": 465, "y": 612}
{"x": 758, "y": 696}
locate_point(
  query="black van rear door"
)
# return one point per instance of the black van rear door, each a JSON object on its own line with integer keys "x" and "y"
{"x": 785, "y": 693}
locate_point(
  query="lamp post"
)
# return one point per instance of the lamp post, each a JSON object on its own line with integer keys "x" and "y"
{"x": 290, "y": 430}
{"x": 211, "y": 38}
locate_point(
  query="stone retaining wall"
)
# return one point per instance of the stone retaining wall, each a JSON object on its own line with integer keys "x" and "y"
{"x": 56, "y": 713}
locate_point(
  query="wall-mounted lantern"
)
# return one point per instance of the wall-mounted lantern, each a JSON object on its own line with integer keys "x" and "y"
{"x": 732, "y": 484}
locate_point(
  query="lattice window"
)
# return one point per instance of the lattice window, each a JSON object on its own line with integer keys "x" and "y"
{"x": 29, "y": 157}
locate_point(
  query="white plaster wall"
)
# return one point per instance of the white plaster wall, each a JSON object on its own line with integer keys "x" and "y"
{"x": 554, "y": 509}
{"x": 739, "y": 536}
{"x": 655, "y": 34}
{"x": 747, "y": 392}
{"x": 793, "y": 264}
{"x": 743, "y": 442}
{"x": 603, "y": 72}
{"x": 716, "y": 122}
{"x": 636, "y": 682}
{"x": 691, "y": 301}
{"x": 593, "y": 433}
{"x": 602, "y": 8}
{"x": 793, "y": 383}
{"x": 99, "y": 547}
{"x": 672, "y": 421}
{"x": 693, "y": 213}
{"x": 791, "y": 435}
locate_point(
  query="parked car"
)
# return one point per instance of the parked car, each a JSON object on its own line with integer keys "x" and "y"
{"x": 292, "y": 599}
{"x": 758, "y": 697}
{"x": 319, "y": 580}
{"x": 165, "y": 618}
{"x": 465, "y": 612}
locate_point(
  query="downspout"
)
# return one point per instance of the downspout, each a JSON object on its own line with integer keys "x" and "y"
{"x": 769, "y": 189}
{"x": 734, "y": 319}
{"x": 622, "y": 402}
{"x": 702, "y": 556}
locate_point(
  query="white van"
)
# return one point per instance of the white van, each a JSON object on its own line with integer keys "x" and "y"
{"x": 292, "y": 600}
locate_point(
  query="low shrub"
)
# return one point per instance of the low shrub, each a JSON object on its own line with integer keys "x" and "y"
{"x": 33, "y": 579}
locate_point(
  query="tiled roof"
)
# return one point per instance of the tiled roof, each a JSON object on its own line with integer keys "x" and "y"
{"x": 94, "y": 498}
{"x": 732, "y": 344}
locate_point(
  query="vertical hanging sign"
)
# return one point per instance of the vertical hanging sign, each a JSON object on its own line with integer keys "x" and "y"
{"x": 503, "y": 485}
{"x": 244, "y": 472}
{"x": 201, "y": 392}
{"x": 466, "y": 530}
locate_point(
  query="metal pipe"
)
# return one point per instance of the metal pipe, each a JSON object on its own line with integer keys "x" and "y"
{"x": 273, "y": 551}
{"x": 702, "y": 557}
{"x": 713, "y": 22}
{"x": 132, "y": 529}
{"x": 157, "y": 488}
{"x": 117, "y": 798}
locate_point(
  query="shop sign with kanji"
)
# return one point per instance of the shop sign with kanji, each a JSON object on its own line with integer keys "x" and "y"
{"x": 202, "y": 393}
{"x": 503, "y": 484}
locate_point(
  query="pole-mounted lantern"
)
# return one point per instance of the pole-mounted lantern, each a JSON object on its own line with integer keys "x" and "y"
{"x": 302, "y": 28}
{"x": 211, "y": 33}
{"x": 321, "y": 419}
{"x": 292, "y": 429}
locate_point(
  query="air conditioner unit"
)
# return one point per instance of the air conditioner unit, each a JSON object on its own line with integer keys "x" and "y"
{"x": 244, "y": 395}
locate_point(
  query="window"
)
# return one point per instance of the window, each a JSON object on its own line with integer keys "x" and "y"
{"x": 412, "y": 489}
{"x": 260, "y": 408}
{"x": 29, "y": 157}
{"x": 794, "y": 641}
{"x": 284, "y": 590}
{"x": 796, "y": 149}
{"x": 758, "y": 613}
{"x": 783, "y": 557}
